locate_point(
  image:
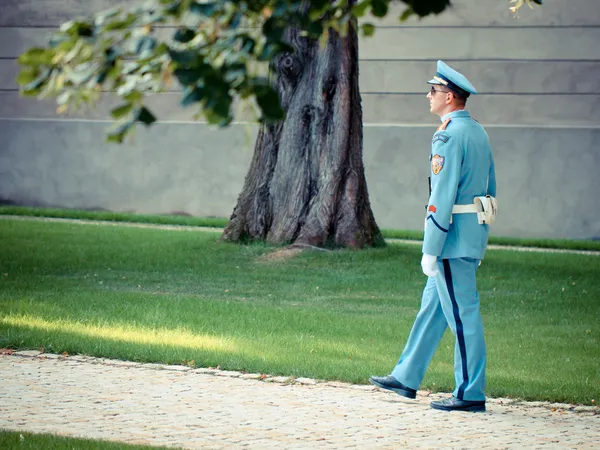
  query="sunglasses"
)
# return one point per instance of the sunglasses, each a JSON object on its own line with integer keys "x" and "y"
{"x": 434, "y": 90}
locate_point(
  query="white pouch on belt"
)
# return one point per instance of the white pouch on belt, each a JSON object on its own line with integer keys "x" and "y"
{"x": 487, "y": 209}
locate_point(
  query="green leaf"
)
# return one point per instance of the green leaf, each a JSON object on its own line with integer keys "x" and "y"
{"x": 103, "y": 16}
{"x": 184, "y": 35}
{"x": 173, "y": 7}
{"x": 408, "y": 12}
{"x": 259, "y": 84}
{"x": 65, "y": 44}
{"x": 36, "y": 57}
{"x": 128, "y": 86}
{"x": 118, "y": 132}
{"x": 359, "y": 9}
{"x": 273, "y": 29}
{"x": 270, "y": 105}
{"x": 144, "y": 115}
{"x": 161, "y": 49}
{"x": 423, "y": 9}
{"x": 204, "y": 9}
{"x": 187, "y": 77}
{"x": 31, "y": 92}
{"x": 235, "y": 72}
{"x": 102, "y": 75}
{"x": 133, "y": 97}
{"x": 314, "y": 29}
{"x": 64, "y": 97}
{"x": 272, "y": 49}
{"x": 81, "y": 73}
{"x": 184, "y": 57}
{"x": 191, "y": 96}
{"x": 38, "y": 82}
{"x": 27, "y": 76}
{"x": 78, "y": 28}
{"x": 59, "y": 39}
{"x": 66, "y": 26}
{"x": 121, "y": 111}
{"x": 318, "y": 4}
{"x": 368, "y": 29}
{"x": 247, "y": 44}
{"x": 121, "y": 24}
{"x": 144, "y": 46}
{"x": 106, "y": 70}
{"x": 235, "y": 20}
{"x": 117, "y": 138}
{"x": 129, "y": 67}
{"x": 219, "y": 105}
{"x": 217, "y": 119}
{"x": 82, "y": 29}
{"x": 379, "y": 8}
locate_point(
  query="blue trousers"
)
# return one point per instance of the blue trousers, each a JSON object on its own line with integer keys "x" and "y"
{"x": 450, "y": 299}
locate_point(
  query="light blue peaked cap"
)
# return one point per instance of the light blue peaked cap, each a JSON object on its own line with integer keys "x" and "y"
{"x": 452, "y": 79}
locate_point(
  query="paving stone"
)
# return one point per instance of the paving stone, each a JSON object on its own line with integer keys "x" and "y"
{"x": 279, "y": 379}
{"x": 307, "y": 381}
{"x": 30, "y": 353}
{"x": 154, "y": 404}
{"x": 251, "y": 376}
{"x": 227, "y": 373}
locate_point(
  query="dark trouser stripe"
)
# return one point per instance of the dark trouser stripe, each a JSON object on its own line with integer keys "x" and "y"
{"x": 459, "y": 329}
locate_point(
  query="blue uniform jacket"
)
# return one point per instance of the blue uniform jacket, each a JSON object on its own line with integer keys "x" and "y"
{"x": 462, "y": 167}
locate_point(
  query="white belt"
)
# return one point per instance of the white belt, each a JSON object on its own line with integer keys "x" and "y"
{"x": 464, "y": 209}
{"x": 486, "y": 208}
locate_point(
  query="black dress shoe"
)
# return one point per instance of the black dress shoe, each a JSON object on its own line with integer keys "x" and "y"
{"x": 454, "y": 404}
{"x": 391, "y": 384}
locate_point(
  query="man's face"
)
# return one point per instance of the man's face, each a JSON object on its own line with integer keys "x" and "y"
{"x": 437, "y": 97}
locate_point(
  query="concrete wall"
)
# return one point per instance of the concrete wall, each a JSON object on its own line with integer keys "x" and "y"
{"x": 540, "y": 102}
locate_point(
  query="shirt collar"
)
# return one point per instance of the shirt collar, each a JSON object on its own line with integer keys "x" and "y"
{"x": 456, "y": 114}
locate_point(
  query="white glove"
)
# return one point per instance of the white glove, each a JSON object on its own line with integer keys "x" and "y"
{"x": 428, "y": 264}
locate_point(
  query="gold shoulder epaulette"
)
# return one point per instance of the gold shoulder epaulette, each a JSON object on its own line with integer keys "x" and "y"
{"x": 444, "y": 124}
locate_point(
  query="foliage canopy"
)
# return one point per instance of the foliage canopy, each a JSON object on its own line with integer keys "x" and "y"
{"x": 216, "y": 50}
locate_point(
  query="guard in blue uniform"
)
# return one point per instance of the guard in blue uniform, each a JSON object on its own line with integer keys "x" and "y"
{"x": 461, "y": 206}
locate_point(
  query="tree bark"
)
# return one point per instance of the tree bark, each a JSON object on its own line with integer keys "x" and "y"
{"x": 306, "y": 183}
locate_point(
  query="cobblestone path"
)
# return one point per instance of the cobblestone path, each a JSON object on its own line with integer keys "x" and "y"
{"x": 211, "y": 409}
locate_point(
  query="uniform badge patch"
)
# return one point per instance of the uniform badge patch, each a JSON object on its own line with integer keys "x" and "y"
{"x": 440, "y": 137}
{"x": 437, "y": 164}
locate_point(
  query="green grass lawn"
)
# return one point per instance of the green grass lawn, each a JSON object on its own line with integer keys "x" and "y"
{"x": 220, "y": 222}
{"x": 19, "y": 440}
{"x": 184, "y": 298}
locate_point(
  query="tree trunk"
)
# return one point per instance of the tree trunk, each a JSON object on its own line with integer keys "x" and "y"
{"x": 306, "y": 183}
